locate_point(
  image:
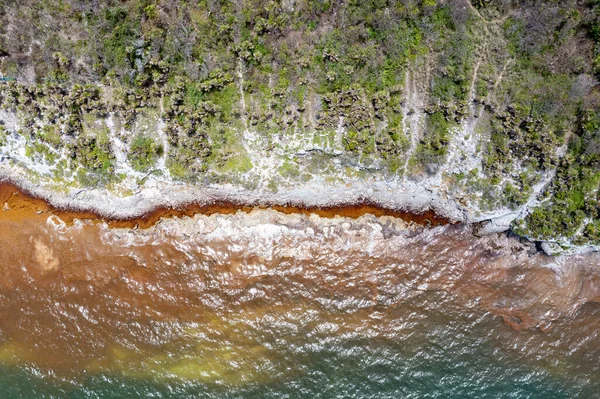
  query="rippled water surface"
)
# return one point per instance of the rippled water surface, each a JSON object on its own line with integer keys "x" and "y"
{"x": 266, "y": 305}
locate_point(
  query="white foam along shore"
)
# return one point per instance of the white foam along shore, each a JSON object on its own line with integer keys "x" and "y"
{"x": 409, "y": 196}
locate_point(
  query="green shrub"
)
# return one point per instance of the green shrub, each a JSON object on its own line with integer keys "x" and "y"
{"x": 143, "y": 153}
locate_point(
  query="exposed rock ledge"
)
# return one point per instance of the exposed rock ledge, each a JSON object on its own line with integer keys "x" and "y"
{"x": 410, "y": 196}
{"x": 407, "y": 196}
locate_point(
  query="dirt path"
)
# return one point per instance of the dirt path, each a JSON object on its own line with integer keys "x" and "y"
{"x": 412, "y": 118}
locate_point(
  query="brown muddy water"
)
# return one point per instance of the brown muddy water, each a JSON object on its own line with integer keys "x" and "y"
{"x": 266, "y": 304}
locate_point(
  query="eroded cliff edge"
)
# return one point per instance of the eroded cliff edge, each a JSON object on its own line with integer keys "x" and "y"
{"x": 481, "y": 110}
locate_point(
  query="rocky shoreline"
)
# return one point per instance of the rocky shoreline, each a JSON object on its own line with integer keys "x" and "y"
{"x": 410, "y": 198}
{"x": 159, "y": 194}
{"x": 433, "y": 207}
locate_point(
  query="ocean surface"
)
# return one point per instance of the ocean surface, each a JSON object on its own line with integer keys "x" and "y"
{"x": 268, "y": 305}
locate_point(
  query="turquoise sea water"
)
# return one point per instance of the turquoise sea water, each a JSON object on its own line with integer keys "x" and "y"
{"x": 468, "y": 355}
{"x": 446, "y": 368}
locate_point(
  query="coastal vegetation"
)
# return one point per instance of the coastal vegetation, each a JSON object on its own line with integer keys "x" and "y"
{"x": 388, "y": 87}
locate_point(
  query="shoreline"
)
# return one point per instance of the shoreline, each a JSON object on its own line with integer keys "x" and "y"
{"x": 410, "y": 201}
{"x": 144, "y": 217}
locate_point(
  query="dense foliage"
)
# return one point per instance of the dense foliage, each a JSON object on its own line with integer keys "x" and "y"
{"x": 523, "y": 73}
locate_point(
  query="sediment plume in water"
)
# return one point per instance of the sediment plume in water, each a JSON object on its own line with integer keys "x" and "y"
{"x": 260, "y": 303}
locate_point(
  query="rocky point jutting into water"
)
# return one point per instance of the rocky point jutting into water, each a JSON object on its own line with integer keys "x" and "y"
{"x": 483, "y": 111}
